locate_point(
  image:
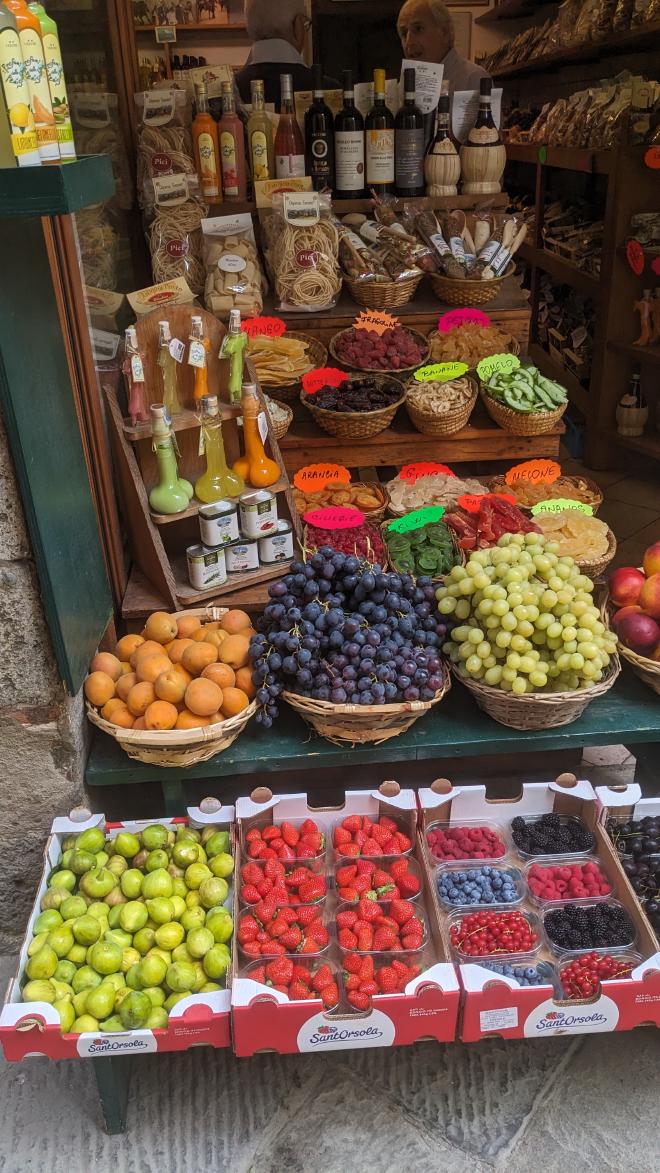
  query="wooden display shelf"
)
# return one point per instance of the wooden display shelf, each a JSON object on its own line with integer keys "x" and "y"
{"x": 235, "y": 582}
{"x": 342, "y": 207}
{"x": 514, "y": 10}
{"x": 553, "y": 370}
{"x": 647, "y": 445}
{"x": 181, "y": 422}
{"x": 192, "y": 510}
{"x": 204, "y": 26}
{"x": 642, "y": 354}
{"x": 561, "y": 270}
{"x": 639, "y": 39}
{"x": 564, "y": 158}
{"x": 141, "y": 599}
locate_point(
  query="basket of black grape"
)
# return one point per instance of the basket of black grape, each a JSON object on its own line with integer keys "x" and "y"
{"x": 353, "y": 648}
{"x": 362, "y": 406}
{"x": 428, "y": 551}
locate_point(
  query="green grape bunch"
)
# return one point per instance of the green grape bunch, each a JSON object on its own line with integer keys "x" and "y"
{"x": 525, "y": 620}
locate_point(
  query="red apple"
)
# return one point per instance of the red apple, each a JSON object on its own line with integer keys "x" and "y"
{"x": 649, "y": 596}
{"x": 623, "y": 613}
{"x": 625, "y": 585}
{"x": 652, "y": 560}
{"x": 640, "y": 633}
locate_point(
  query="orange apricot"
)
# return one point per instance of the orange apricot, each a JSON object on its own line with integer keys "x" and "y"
{"x": 220, "y": 674}
{"x": 161, "y": 627}
{"x": 244, "y": 682}
{"x": 106, "y": 662}
{"x": 186, "y": 625}
{"x": 234, "y": 701}
{"x": 215, "y": 638}
{"x": 148, "y": 647}
{"x": 196, "y": 658}
{"x": 203, "y": 697}
{"x": 234, "y": 621}
{"x": 170, "y": 686}
{"x": 177, "y": 648}
{"x": 127, "y": 645}
{"x": 188, "y": 720}
{"x": 125, "y": 684}
{"x": 123, "y": 717}
{"x": 99, "y": 688}
{"x": 199, "y": 634}
{"x": 139, "y": 723}
{"x": 235, "y": 651}
{"x": 140, "y": 697}
{"x": 150, "y": 667}
{"x": 161, "y": 715}
{"x": 110, "y": 706}
{"x": 181, "y": 671}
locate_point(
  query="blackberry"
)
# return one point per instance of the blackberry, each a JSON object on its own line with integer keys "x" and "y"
{"x": 599, "y": 926}
{"x": 550, "y": 836}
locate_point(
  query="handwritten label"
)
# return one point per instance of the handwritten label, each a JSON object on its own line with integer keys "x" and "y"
{"x": 334, "y": 517}
{"x": 313, "y": 381}
{"x": 537, "y": 472}
{"x": 559, "y": 504}
{"x": 197, "y": 354}
{"x": 424, "y": 468}
{"x": 417, "y": 519}
{"x": 441, "y": 372}
{"x": 635, "y": 257}
{"x": 263, "y": 327}
{"x": 137, "y": 370}
{"x": 177, "y": 349}
{"x": 375, "y": 320}
{"x": 314, "y": 477}
{"x": 472, "y": 502}
{"x": 454, "y": 318}
{"x": 497, "y": 364}
{"x": 652, "y": 158}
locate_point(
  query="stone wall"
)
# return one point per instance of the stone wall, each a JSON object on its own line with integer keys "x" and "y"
{"x": 42, "y": 730}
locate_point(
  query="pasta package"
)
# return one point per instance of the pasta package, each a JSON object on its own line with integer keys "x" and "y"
{"x": 175, "y": 232}
{"x": 303, "y": 247}
{"x": 233, "y": 275}
{"x": 164, "y": 140}
{"x": 95, "y": 117}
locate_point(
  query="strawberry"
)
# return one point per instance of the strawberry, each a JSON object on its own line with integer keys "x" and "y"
{"x": 312, "y": 889}
{"x": 267, "y": 852}
{"x": 253, "y": 834}
{"x": 386, "y": 821}
{"x": 369, "y": 988}
{"x": 291, "y": 938}
{"x": 345, "y": 875}
{"x": 370, "y": 847}
{"x": 302, "y": 974}
{"x": 341, "y": 837}
{"x": 259, "y": 974}
{"x": 273, "y": 949}
{"x": 249, "y": 894}
{"x": 330, "y": 995}
{"x": 271, "y": 832}
{"x": 387, "y": 922}
{"x": 408, "y": 884}
{"x": 367, "y": 966}
{"x": 321, "y": 978}
{"x": 309, "y": 826}
{"x": 380, "y": 834}
{"x": 384, "y": 939}
{"x": 280, "y": 972}
{"x": 255, "y": 849}
{"x": 296, "y": 877}
{"x": 400, "y": 969}
{"x": 404, "y": 842}
{"x": 401, "y": 911}
{"x": 350, "y": 849}
{"x": 391, "y": 847}
{"x": 247, "y": 929}
{"x": 308, "y": 946}
{"x": 362, "y": 884}
{"x": 368, "y": 909}
{"x": 346, "y": 919}
{"x": 251, "y": 873}
{"x": 289, "y": 915}
{"x": 349, "y": 895}
{"x": 365, "y": 867}
{"x": 360, "y": 1001}
{"x": 288, "y": 853}
{"x": 303, "y": 851}
{"x": 306, "y": 913}
{"x": 387, "y": 979}
{"x": 386, "y": 892}
{"x": 289, "y": 834}
{"x": 398, "y": 868}
{"x": 313, "y": 839}
{"x": 299, "y": 992}
{"x": 277, "y": 927}
{"x": 360, "y": 837}
{"x": 352, "y": 963}
{"x": 252, "y": 948}
{"x": 352, "y": 823}
{"x": 381, "y": 878}
{"x": 317, "y": 932}
{"x": 365, "y": 940}
{"x": 352, "y": 981}
{"x": 346, "y": 938}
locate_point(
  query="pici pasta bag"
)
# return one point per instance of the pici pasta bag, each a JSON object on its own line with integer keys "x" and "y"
{"x": 164, "y": 142}
{"x": 303, "y": 246}
{"x": 175, "y": 231}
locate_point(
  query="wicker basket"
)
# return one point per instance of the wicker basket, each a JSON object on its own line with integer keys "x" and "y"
{"x": 429, "y": 423}
{"x": 647, "y": 670}
{"x": 371, "y": 515}
{"x": 383, "y": 295}
{"x": 521, "y": 423}
{"x": 355, "y": 425}
{"x": 362, "y": 724}
{"x": 419, "y": 339}
{"x": 318, "y": 357}
{"x": 177, "y": 747}
{"x": 310, "y": 546}
{"x": 452, "y": 291}
{"x": 512, "y": 348}
{"x": 537, "y": 710}
{"x": 499, "y": 485}
{"x": 280, "y": 429}
{"x": 594, "y": 567}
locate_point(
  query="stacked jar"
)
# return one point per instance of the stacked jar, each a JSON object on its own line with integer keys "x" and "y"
{"x": 238, "y": 537}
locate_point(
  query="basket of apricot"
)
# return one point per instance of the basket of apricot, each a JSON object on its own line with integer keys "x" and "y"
{"x": 179, "y": 692}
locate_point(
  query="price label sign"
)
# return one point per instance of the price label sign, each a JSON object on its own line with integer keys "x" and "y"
{"x": 472, "y": 502}
{"x": 197, "y": 354}
{"x": 497, "y": 364}
{"x": 559, "y": 504}
{"x": 652, "y": 158}
{"x": 177, "y": 349}
{"x": 416, "y": 520}
{"x": 535, "y": 472}
{"x": 424, "y": 468}
{"x": 263, "y": 327}
{"x": 376, "y": 320}
{"x": 313, "y": 381}
{"x": 314, "y": 477}
{"x": 454, "y": 318}
{"x": 441, "y": 372}
{"x": 635, "y": 257}
{"x": 334, "y": 517}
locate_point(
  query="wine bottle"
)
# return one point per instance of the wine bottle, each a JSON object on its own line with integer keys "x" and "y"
{"x": 483, "y": 156}
{"x": 289, "y": 142}
{"x": 379, "y": 127}
{"x": 319, "y": 138}
{"x": 409, "y": 142}
{"x": 442, "y": 166}
{"x": 349, "y": 145}
{"x": 260, "y": 136}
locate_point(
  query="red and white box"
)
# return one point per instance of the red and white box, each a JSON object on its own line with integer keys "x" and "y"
{"x": 493, "y": 1004}
{"x": 33, "y": 1028}
{"x": 264, "y": 1019}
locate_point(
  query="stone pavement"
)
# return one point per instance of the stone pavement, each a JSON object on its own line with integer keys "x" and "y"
{"x": 584, "y": 1103}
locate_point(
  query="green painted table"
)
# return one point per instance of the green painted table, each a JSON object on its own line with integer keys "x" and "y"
{"x": 628, "y": 714}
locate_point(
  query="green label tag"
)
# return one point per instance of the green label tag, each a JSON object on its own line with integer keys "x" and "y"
{"x": 559, "y": 504}
{"x": 543, "y": 154}
{"x": 441, "y": 372}
{"x": 417, "y": 519}
{"x": 497, "y": 364}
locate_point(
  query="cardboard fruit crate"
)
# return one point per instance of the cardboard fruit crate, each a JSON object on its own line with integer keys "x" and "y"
{"x": 265, "y": 1019}
{"x": 493, "y": 1004}
{"x": 33, "y": 1028}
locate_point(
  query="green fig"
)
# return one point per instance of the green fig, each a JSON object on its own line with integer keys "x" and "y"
{"x": 213, "y": 891}
{"x": 47, "y": 920}
{"x": 65, "y": 971}
{"x": 97, "y": 883}
{"x": 43, "y": 964}
{"x": 127, "y": 844}
{"x": 160, "y": 909}
{"x": 101, "y": 1001}
{"x": 155, "y": 994}
{"x": 106, "y": 957}
{"x": 217, "y": 844}
{"x": 196, "y": 874}
{"x": 61, "y": 940}
{"x": 112, "y": 1025}
{"x": 85, "y": 979}
{"x": 54, "y": 898}
{"x": 81, "y": 862}
{"x": 73, "y": 907}
{"x": 86, "y": 1024}
{"x": 135, "y": 1010}
{"x": 64, "y": 878}
{"x": 181, "y": 976}
{"x": 221, "y": 925}
{"x": 217, "y": 961}
{"x": 199, "y": 941}
{"x": 115, "y": 897}
{"x": 118, "y": 937}
{"x": 157, "y": 859}
{"x": 158, "y": 1019}
{"x": 171, "y": 1002}
{"x": 184, "y": 853}
{"x": 117, "y": 865}
{"x": 37, "y": 943}
{"x": 92, "y": 840}
{"x": 154, "y": 836}
{"x": 67, "y": 1014}
{"x": 193, "y": 918}
{"x": 152, "y": 971}
{"x": 39, "y": 990}
{"x": 131, "y": 882}
{"x": 144, "y": 940}
{"x": 170, "y": 935}
{"x": 87, "y": 930}
{"x": 222, "y": 865}
{"x": 133, "y": 916}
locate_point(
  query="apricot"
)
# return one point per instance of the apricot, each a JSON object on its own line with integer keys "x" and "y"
{"x": 110, "y": 706}
{"x": 234, "y": 701}
{"x": 125, "y": 668}
{"x": 99, "y": 688}
{"x": 106, "y": 662}
{"x": 215, "y": 638}
{"x": 220, "y": 674}
{"x": 161, "y": 627}
{"x": 244, "y": 682}
{"x": 199, "y": 634}
{"x": 125, "y": 684}
{"x": 148, "y": 647}
{"x": 203, "y": 697}
{"x": 196, "y": 658}
{"x": 140, "y": 697}
{"x": 181, "y": 671}
{"x": 161, "y": 715}
{"x": 177, "y": 648}
{"x": 234, "y": 621}
{"x": 188, "y": 720}
{"x": 139, "y": 723}
{"x": 235, "y": 651}
{"x": 127, "y": 645}
{"x": 186, "y": 625}
{"x": 249, "y": 632}
{"x": 123, "y": 717}
{"x": 170, "y": 686}
{"x": 150, "y": 667}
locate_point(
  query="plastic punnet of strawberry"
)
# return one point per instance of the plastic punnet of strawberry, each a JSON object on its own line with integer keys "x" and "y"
{"x": 293, "y": 839}
{"x": 383, "y": 878}
{"x": 301, "y": 979}
{"x": 270, "y": 929}
{"x": 389, "y": 926}
{"x": 359, "y": 835}
{"x": 289, "y": 883}
{"x": 369, "y": 975}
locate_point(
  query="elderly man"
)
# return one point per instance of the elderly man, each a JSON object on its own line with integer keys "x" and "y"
{"x": 427, "y": 34}
{"x": 277, "y": 30}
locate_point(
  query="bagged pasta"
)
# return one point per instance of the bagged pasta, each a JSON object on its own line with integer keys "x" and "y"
{"x": 164, "y": 143}
{"x": 233, "y": 276}
{"x": 95, "y": 118}
{"x": 175, "y": 232}
{"x": 303, "y": 247}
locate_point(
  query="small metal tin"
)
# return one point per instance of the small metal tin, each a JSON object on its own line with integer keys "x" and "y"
{"x": 242, "y": 555}
{"x": 206, "y": 567}
{"x": 257, "y": 513}
{"x": 218, "y": 523}
{"x": 278, "y": 546}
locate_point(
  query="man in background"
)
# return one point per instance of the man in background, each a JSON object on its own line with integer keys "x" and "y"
{"x": 426, "y": 33}
{"x": 277, "y": 29}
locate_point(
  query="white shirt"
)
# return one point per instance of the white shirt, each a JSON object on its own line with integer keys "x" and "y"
{"x": 461, "y": 73}
{"x": 274, "y": 49}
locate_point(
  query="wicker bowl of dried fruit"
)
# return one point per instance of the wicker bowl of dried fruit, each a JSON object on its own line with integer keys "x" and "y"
{"x": 369, "y": 497}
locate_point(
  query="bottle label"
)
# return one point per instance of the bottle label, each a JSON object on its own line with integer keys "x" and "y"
{"x": 137, "y": 370}
{"x": 197, "y": 353}
{"x": 410, "y": 158}
{"x": 259, "y": 149}
{"x": 289, "y": 166}
{"x": 229, "y": 163}
{"x": 380, "y": 156}
{"x": 177, "y": 349}
{"x": 349, "y": 160}
{"x": 208, "y": 165}
{"x": 58, "y": 95}
{"x": 17, "y": 95}
{"x": 37, "y": 80}
{"x": 320, "y": 158}
{"x": 483, "y": 136}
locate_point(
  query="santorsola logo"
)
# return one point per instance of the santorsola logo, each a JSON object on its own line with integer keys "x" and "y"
{"x": 317, "y": 1034}
{"x": 116, "y": 1044}
{"x": 548, "y": 1019}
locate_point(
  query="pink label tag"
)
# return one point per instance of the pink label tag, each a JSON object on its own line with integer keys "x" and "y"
{"x": 263, "y": 327}
{"x": 334, "y": 517}
{"x": 424, "y": 468}
{"x": 635, "y": 257}
{"x": 313, "y": 381}
{"x": 454, "y": 318}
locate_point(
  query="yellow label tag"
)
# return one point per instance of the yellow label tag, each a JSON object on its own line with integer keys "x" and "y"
{"x": 441, "y": 372}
